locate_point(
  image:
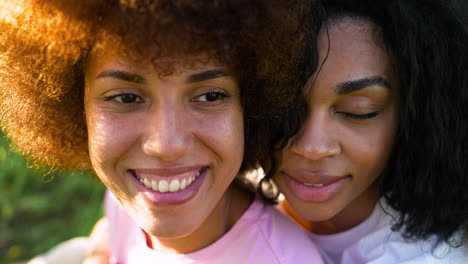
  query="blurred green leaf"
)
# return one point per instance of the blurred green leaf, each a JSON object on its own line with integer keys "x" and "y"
{"x": 35, "y": 215}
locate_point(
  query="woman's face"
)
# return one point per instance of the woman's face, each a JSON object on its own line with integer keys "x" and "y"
{"x": 167, "y": 147}
{"x": 329, "y": 168}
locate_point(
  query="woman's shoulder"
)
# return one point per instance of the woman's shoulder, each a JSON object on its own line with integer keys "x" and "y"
{"x": 261, "y": 235}
{"x": 289, "y": 242}
{"x": 387, "y": 246}
{"x": 375, "y": 241}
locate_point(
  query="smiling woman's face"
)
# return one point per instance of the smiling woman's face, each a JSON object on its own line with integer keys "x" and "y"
{"x": 167, "y": 147}
{"x": 329, "y": 168}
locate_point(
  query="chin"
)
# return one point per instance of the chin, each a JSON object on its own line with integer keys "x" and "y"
{"x": 314, "y": 212}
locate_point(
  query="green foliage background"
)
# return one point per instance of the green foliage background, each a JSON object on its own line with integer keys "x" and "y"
{"x": 39, "y": 209}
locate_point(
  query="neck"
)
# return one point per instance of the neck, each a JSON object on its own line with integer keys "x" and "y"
{"x": 229, "y": 209}
{"x": 352, "y": 215}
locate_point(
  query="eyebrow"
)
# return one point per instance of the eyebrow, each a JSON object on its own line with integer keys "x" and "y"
{"x": 206, "y": 75}
{"x": 135, "y": 78}
{"x": 356, "y": 85}
{"x": 121, "y": 75}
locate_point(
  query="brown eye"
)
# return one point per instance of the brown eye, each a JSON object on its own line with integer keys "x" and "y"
{"x": 211, "y": 97}
{"x": 125, "y": 98}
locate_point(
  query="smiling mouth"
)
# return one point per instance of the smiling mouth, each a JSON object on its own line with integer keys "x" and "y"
{"x": 314, "y": 179}
{"x": 173, "y": 185}
{"x": 319, "y": 188}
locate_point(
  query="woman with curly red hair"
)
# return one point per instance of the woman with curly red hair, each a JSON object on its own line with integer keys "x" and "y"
{"x": 166, "y": 101}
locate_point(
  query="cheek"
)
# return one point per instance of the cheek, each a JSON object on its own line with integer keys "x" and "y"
{"x": 108, "y": 138}
{"x": 371, "y": 149}
{"x": 224, "y": 135}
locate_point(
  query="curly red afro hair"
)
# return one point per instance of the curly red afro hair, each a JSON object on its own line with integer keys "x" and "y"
{"x": 44, "y": 46}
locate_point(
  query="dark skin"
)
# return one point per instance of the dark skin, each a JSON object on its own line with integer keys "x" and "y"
{"x": 328, "y": 171}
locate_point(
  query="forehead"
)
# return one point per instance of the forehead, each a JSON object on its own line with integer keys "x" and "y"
{"x": 111, "y": 55}
{"x": 352, "y": 49}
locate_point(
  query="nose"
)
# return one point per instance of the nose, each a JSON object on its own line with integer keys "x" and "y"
{"x": 317, "y": 138}
{"x": 168, "y": 134}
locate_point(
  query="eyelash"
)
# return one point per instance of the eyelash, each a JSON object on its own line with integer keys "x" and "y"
{"x": 361, "y": 116}
{"x": 219, "y": 96}
{"x": 114, "y": 97}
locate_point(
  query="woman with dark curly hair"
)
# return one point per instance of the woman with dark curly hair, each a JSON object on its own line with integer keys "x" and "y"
{"x": 167, "y": 101}
{"x": 378, "y": 171}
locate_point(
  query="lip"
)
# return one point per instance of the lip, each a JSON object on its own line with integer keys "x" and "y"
{"x": 168, "y": 171}
{"x": 331, "y": 185}
{"x": 170, "y": 198}
{"x": 167, "y": 174}
{"x": 312, "y": 176}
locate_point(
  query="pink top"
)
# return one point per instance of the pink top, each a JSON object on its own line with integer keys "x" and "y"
{"x": 261, "y": 235}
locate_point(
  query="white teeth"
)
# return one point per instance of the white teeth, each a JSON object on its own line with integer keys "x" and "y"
{"x": 147, "y": 183}
{"x": 163, "y": 186}
{"x": 183, "y": 184}
{"x": 154, "y": 185}
{"x": 313, "y": 185}
{"x": 174, "y": 186}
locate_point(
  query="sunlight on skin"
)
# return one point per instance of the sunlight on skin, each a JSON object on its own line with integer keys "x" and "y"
{"x": 329, "y": 169}
{"x": 169, "y": 128}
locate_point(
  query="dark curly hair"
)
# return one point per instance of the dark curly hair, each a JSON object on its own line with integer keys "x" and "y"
{"x": 44, "y": 45}
{"x": 426, "y": 179}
